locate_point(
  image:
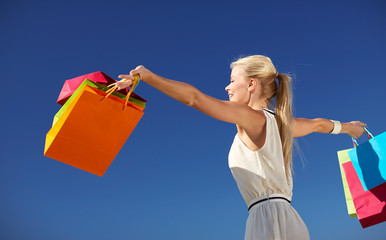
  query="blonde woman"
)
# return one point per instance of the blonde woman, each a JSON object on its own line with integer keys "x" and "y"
{"x": 261, "y": 154}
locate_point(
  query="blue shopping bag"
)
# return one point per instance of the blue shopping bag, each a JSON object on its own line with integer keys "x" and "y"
{"x": 369, "y": 160}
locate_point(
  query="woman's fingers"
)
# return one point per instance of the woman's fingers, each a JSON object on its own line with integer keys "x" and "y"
{"x": 359, "y": 123}
{"x": 357, "y": 129}
{"x": 124, "y": 83}
{"x": 141, "y": 71}
{"x": 126, "y": 76}
{"x": 128, "y": 79}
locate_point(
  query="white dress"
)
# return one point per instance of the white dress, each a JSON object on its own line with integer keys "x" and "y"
{"x": 260, "y": 175}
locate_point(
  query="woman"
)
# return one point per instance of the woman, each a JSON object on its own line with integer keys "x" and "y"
{"x": 261, "y": 154}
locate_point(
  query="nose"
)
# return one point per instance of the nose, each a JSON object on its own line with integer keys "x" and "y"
{"x": 227, "y": 88}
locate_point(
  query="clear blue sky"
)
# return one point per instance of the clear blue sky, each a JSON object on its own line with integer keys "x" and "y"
{"x": 171, "y": 179}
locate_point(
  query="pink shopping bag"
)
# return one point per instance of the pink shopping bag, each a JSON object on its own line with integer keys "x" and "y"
{"x": 71, "y": 85}
{"x": 370, "y": 205}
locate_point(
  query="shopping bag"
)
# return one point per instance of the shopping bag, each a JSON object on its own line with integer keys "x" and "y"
{"x": 134, "y": 100}
{"x": 343, "y": 158}
{"x": 370, "y": 205}
{"x": 369, "y": 160}
{"x": 70, "y": 85}
{"x": 91, "y": 130}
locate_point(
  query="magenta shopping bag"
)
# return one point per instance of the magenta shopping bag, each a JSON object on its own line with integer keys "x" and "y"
{"x": 370, "y": 205}
{"x": 71, "y": 85}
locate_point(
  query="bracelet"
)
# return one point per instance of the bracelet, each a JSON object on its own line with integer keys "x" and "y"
{"x": 337, "y": 127}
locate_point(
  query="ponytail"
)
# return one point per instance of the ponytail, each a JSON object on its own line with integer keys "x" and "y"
{"x": 262, "y": 68}
{"x": 283, "y": 109}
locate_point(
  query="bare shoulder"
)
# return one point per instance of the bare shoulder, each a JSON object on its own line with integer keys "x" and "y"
{"x": 251, "y": 118}
{"x": 253, "y": 133}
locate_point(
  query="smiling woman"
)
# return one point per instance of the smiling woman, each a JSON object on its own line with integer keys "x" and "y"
{"x": 261, "y": 154}
{"x": 237, "y": 88}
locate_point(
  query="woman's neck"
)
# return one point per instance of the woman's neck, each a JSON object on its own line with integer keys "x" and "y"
{"x": 258, "y": 105}
{"x": 257, "y": 102}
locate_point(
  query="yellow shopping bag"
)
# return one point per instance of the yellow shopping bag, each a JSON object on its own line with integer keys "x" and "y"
{"x": 343, "y": 158}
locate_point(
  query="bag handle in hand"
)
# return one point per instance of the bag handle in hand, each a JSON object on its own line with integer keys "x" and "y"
{"x": 369, "y": 135}
{"x": 133, "y": 86}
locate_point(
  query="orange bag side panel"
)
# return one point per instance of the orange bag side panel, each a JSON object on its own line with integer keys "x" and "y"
{"x": 91, "y": 131}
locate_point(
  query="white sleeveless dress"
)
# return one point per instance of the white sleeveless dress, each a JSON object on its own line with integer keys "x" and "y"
{"x": 260, "y": 175}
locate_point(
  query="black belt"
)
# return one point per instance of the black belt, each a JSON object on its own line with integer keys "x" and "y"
{"x": 268, "y": 198}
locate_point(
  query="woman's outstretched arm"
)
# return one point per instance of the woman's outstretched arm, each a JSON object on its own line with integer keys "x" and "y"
{"x": 227, "y": 111}
{"x": 303, "y": 126}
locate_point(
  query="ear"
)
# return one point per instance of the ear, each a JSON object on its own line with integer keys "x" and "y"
{"x": 252, "y": 83}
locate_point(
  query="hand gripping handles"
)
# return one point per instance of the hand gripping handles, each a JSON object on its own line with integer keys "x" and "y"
{"x": 113, "y": 87}
{"x": 369, "y": 135}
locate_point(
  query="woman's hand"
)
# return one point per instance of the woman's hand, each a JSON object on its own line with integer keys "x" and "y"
{"x": 127, "y": 80}
{"x": 143, "y": 73}
{"x": 354, "y": 129}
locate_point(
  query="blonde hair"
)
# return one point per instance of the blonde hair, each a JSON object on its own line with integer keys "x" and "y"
{"x": 262, "y": 68}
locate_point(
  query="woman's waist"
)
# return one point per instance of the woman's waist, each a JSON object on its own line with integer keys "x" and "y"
{"x": 274, "y": 197}
{"x": 254, "y": 191}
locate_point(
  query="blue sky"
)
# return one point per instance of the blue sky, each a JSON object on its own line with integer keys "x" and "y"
{"x": 171, "y": 179}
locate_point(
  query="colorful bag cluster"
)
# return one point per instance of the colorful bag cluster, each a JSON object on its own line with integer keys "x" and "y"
{"x": 363, "y": 170}
{"x": 90, "y": 128}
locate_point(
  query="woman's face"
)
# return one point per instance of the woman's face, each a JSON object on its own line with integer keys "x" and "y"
{"x": 238, "y": 88}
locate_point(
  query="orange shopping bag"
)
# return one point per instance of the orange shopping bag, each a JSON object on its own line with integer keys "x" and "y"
{"x": 92, "y": 130}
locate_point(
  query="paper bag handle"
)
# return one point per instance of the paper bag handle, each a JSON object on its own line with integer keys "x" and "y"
{"x": 133, "y": 86}
{"x": 369, "y": 135}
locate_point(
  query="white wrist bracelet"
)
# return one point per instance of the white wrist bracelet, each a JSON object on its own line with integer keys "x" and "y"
{"x": 337, "y": 127}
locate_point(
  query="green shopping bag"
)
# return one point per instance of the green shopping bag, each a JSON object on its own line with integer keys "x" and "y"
{"x": 343, "y": 158}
